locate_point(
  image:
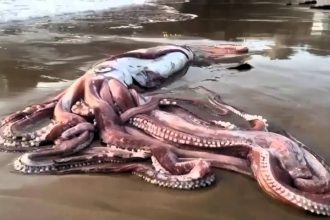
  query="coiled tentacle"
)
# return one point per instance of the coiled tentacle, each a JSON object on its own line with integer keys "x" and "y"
{"x": 265, "y": 168}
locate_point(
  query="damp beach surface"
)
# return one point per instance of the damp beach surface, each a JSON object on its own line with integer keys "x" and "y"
{"x": 43, "y": 51}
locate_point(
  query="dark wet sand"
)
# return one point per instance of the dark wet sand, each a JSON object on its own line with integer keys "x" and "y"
{"x": 289, "y": 85}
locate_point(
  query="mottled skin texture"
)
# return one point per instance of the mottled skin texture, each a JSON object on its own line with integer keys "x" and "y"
{"x": 165, "y": 140}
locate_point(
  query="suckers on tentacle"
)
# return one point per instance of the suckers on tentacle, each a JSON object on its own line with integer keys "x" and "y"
{"x": 198, "y": 177}
{"x": 263, "y": 168}
{"x": 285, "y": 170}
{"x": 168, "y": 181}
{"x": 165, "y": 133}
{"x": 27, "y": 141}
{"x": 259, "y": 123}
{"x": 25, "y": 165}
{"x": 72, "y": 165}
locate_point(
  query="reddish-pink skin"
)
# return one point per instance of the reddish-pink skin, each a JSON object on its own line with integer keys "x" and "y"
{"x": 121, "y": 95}
{"x": 183, "y": 145}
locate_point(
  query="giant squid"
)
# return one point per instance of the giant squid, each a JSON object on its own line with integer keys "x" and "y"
{"x": 105, "y": 122}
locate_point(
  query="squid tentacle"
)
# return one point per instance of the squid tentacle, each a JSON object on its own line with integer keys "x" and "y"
{"x": 154, "y": 102}
{"x": 9, "y": 128}
{"x": 159, "y": 131}
{"x": 145, "y": 108}
{"x": 263, "y": 167}
{"x": 175, "y": 143}
{"x": 29, "y": 142}
{"x": 71, "y": 164}
{"x": 31, "y": 109}
{"x": 40, "y": 161}
{"x": 64, "y": 147}
{"x": 216, "y": 160}
{"x": 121, "y": 96}
{"x": 188, "y": 174}
{"x": 81, "y": 108}
{"x": 257, "y": 122}
{"x": 183, "y": 181}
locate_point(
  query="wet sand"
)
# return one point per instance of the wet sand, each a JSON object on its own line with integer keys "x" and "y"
{"x": 289, "y": 85}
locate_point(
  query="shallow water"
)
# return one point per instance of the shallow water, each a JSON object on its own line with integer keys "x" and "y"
{"x": 289, "y": 84}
